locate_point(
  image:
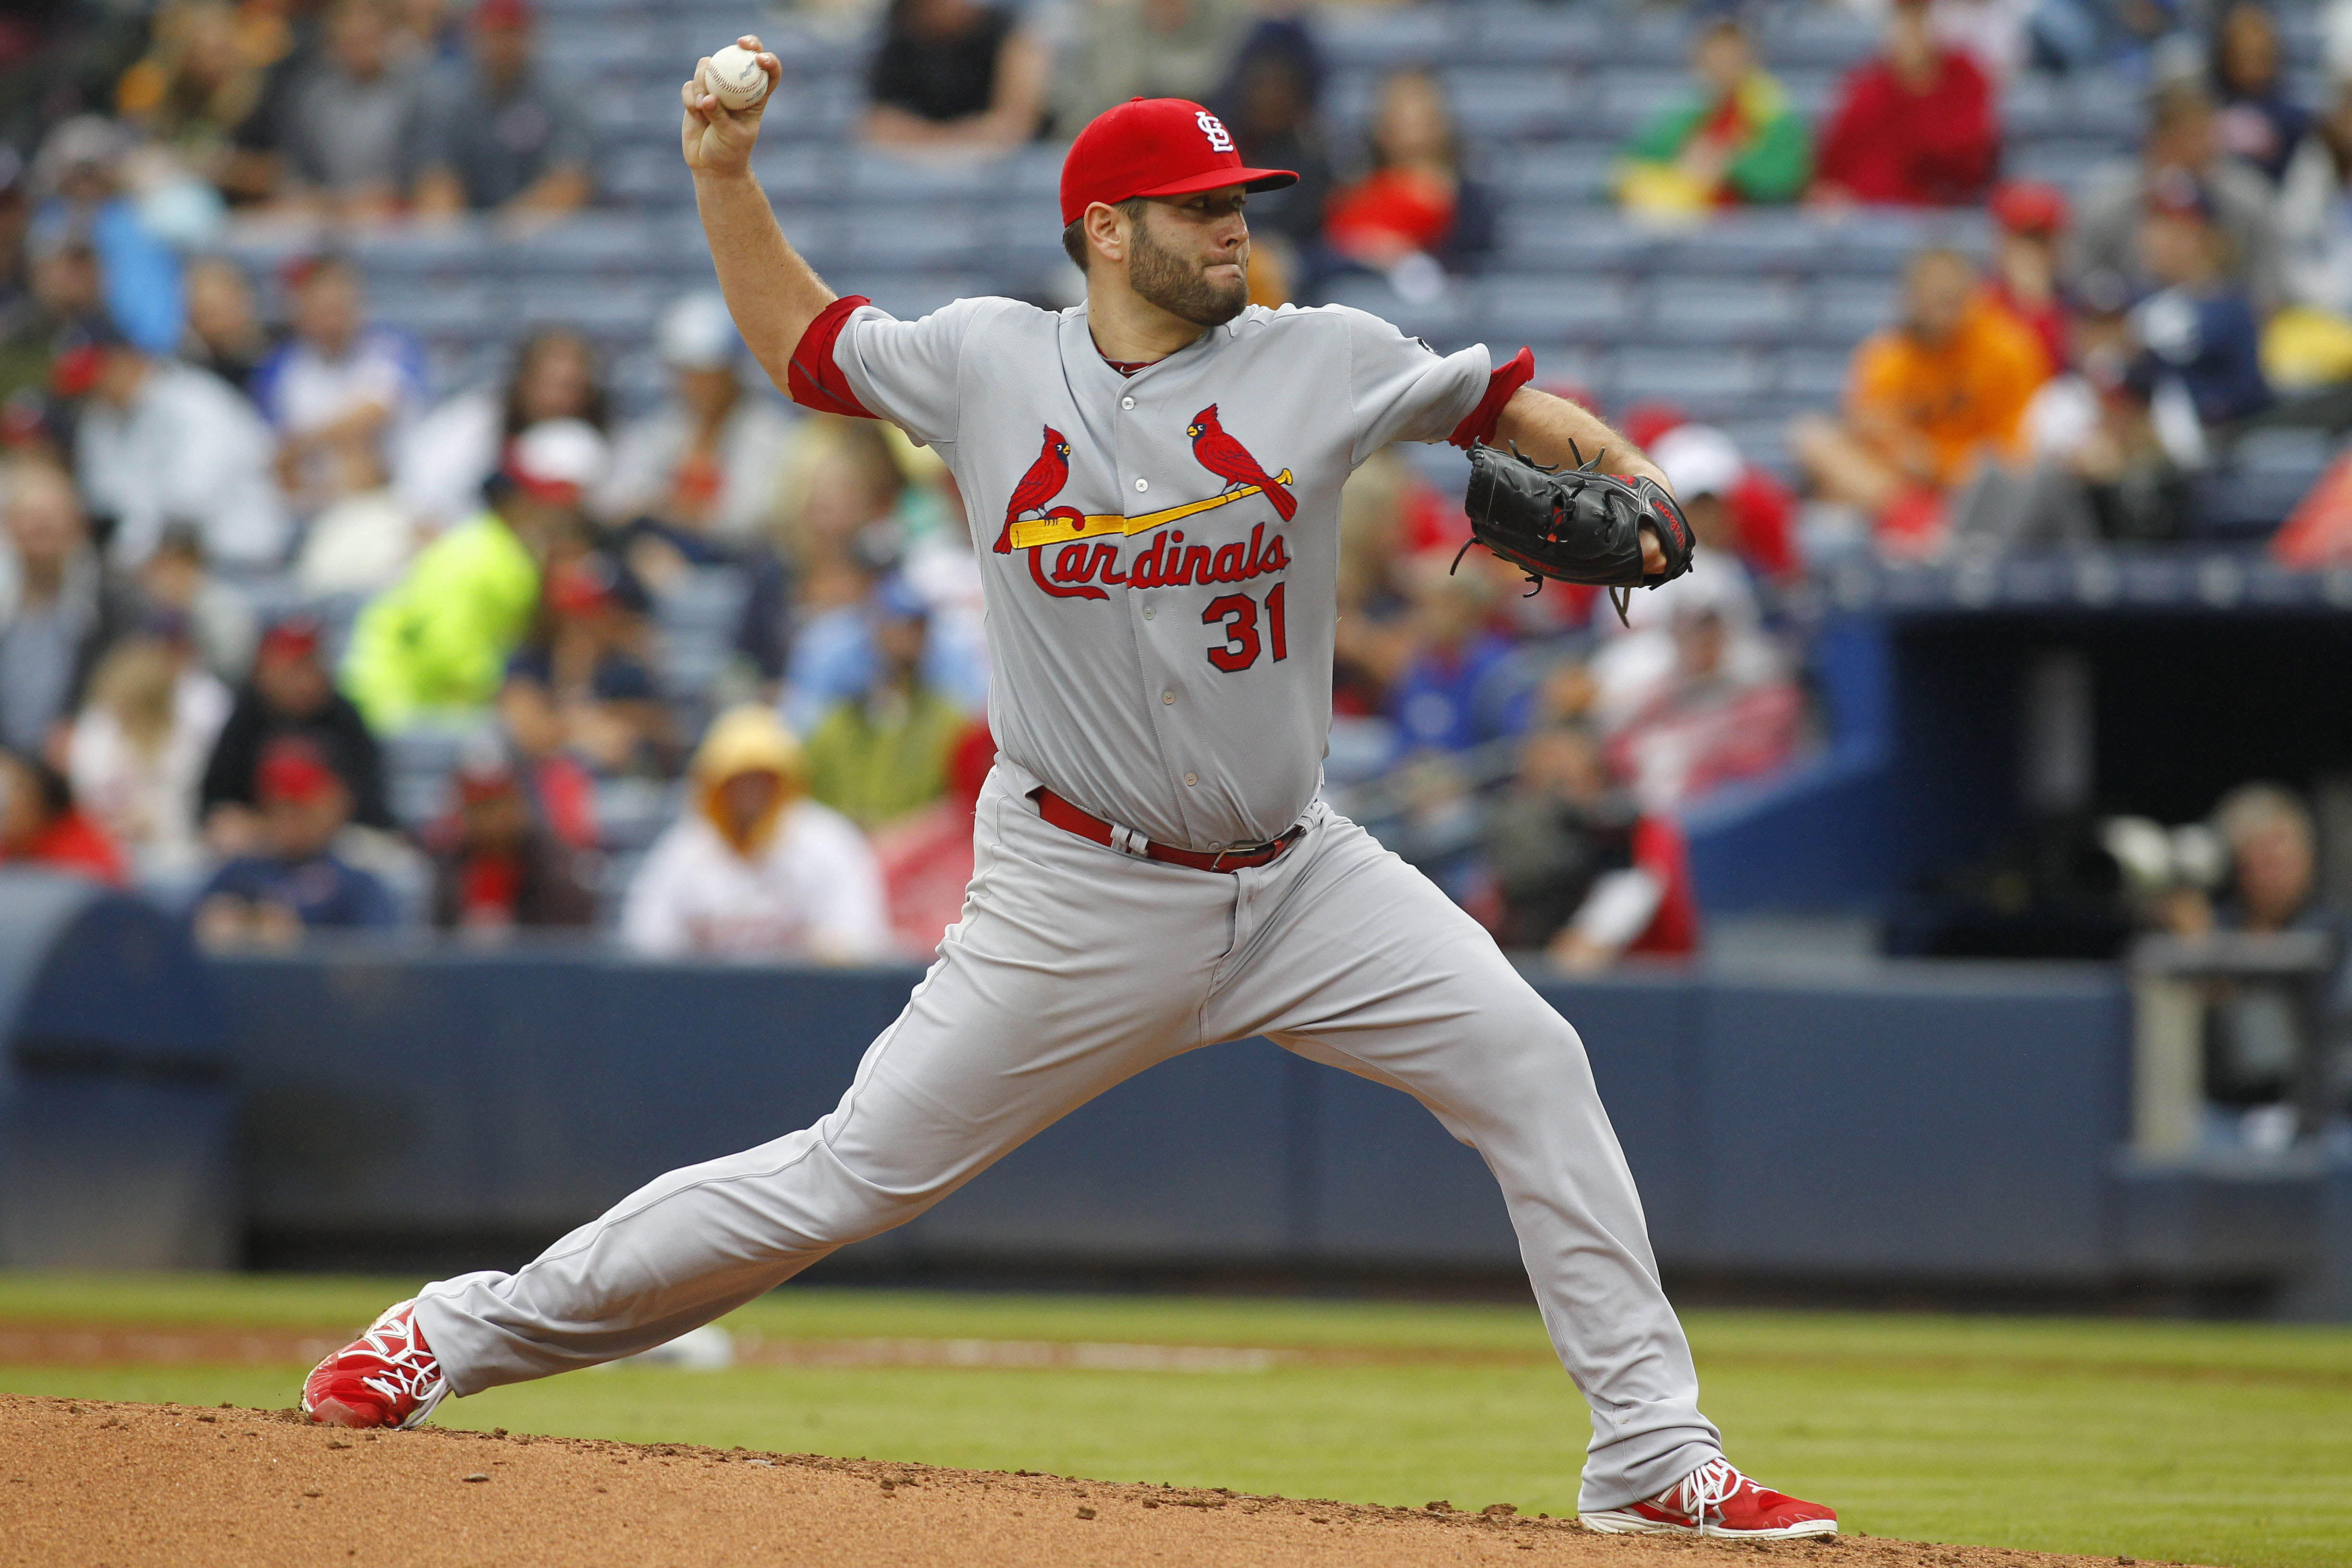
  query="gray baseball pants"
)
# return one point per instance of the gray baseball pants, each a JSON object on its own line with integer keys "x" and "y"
{"x": 1074, "y": 968}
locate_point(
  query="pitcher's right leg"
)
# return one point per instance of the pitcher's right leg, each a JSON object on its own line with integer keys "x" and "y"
{"x": 1072, "y": 969}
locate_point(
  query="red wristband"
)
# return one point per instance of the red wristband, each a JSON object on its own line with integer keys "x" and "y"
{"x": 1478, "y": 425}
{"x": 814, "y": 378}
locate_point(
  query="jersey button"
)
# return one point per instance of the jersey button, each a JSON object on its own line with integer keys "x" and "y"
{"x": 1126, "y": 403}
{"x": 1192, "y": 778}
{"x": 1149, "y": 614}
{"x": 1167, "y": 697}
{"x": 1142, "y": 484}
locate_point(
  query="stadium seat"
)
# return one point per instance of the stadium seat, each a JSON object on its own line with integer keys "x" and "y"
{"x": 912, "y": 239}
{"x": 1707, "y": 384}
{"x": 1847, "y": 310}
{"x": 614, "y": 50}
{"x": 614, "y": 310}
{"x": 1720, "y": 311}
{"x": 437, "y": 308}
{"x": 1447, "y": 321}
{"x": 1376, "y": 40}
{"x": 1558, "y": 310}
{"x": 1821, "y": 36}
{"x": 1813, "y": 377}
{"x": 2068, "y": 163}
{"x": 910, "y": 295}
{"x": 2263, "y": 479}
{"x": 1499, "y": 104}
{"x": 1556, "y": 173}
{"x": 1574, "y": 239}
{"x": 1523, "y": 34}
{"x": 1745, "y": 242}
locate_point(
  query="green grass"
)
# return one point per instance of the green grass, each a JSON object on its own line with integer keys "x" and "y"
{"x": 2228, "y": 1444}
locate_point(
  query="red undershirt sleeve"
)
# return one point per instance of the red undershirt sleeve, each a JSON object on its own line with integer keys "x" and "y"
{"x": 1478, "y": 425}
{"x": 814, "y": 378}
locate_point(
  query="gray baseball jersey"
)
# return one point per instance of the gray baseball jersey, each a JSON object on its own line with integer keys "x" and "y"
{"x": 1160, "y": 550}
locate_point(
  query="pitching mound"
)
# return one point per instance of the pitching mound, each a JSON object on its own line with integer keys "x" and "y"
{"x": 84, "y": 1482}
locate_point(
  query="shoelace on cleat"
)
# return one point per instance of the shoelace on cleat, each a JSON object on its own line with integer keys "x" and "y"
{"x": 1704, "y": 1491}
{"x": 409, "y": 1370}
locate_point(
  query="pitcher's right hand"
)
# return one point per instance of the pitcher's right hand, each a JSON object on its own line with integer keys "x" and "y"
{"x": 715, "y": 139}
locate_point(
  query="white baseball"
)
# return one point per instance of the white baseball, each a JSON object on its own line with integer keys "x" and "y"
{"x": 734, "y": 78}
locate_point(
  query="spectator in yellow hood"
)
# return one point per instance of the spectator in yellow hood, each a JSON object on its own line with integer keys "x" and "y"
{"x": 754, "y": 869}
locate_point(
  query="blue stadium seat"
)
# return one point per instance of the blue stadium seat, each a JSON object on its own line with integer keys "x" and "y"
{"x": 612, "y": 309}
{"x": 608, "y": 242}
{"x": 879, "y": 179}
{"x": 1498, "y": 104}
{"x": 459, "y": 250}
{"x": 643, "y": 175}
{"x": 2037, "y": 107}
{"x": 1745, "y": 243}
{"x": 437, "y": 308}
{"x": 1558, "y": 172}
{"x": 1573, "y": 239}
{"x": 1447, "y": 321}
{"x": 1564, "y": 366}
{"x": 914, "y": 239}
{"x": 2069, "y": 162}
{"x": 1373, "y": 39}
{"x": 1648, "y": 40}
{"x": 614, "y": 50}
{"x": 2262, "y": 479}
{"x": 1720, "y": 311}
{"x": 1813, "y": 377}
{"x": 1848, "y": 310}
{"x": 1519, "y": 35}
{"x": 1707, "y": 384}
{"x": 1879, "y": 241}
{"x": 910, "y": 295}
{"x": 1815, "y": 36}
{"x": 1765, "y": 443}
{"x": 1569, "y": 310}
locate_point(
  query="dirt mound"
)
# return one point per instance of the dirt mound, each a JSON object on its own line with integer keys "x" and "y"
{"x": 83, "y": 1482}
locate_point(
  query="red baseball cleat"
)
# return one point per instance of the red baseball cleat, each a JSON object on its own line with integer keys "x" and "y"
{"x": 387, "y": 1377}
{"x": 1717, "y": 1500}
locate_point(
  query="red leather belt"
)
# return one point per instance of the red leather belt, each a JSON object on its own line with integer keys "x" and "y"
{"x": 1128, "y": 841}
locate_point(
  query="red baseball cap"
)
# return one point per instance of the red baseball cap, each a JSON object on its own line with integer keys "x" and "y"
{"x": 1156, "y": 147}
{"x": 292, "y": 769}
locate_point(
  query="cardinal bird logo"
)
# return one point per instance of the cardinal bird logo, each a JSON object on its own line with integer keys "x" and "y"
{"x": 1041, "y": 484}
{"x": 1230, "y": 461}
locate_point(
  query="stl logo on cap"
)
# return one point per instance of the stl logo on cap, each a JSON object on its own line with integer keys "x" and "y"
{"x": 1220, "y": 139}
{"x": 1155, "y": 147}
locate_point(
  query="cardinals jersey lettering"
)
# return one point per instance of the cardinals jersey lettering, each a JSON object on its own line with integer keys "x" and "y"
{"x": 1160, "y": 551}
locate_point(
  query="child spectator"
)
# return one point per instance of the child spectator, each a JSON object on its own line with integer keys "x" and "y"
{"x": 1914, "y": 127}
{"x": 338, "y": 392}
{"x": 2258, "y": 121}
{"x": 1462, "y": 685}
{"x": 441, "y": 464}
{"x": 1735, "y": 139}
{"x": 41, "y": 830}
{"x": 1578, "y": 870}
{"x": 1415, "y": 207}
{"x": 293, "y": 882}
{"x": 496, "y": 866}
{"x": 755, "y": 869}
{"x": 1927, "y": 398}
{"x": 219, "y": 619}
{"x": 707, "y": 461}
{"x": 160, "y": 442}
{"x": 884, "y": 753}
{"x": 562, "y": 793}
{"x": 139, "y": 748}
{"x": 500, "y": 136}
{"x": 437, "y": 641}
{"x": 2025, "y": 263}
{"x": 57, "y": 616}
{"x": 2201, "y": 360}
{"x": 290, "y": 696}
{"x": 954, "y": 74}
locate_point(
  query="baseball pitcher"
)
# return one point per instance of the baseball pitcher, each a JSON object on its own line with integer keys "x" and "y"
{"x": 1153, "y": 479}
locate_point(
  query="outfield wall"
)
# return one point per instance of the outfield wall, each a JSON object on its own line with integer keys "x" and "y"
{"x": 1933, "y": 1124}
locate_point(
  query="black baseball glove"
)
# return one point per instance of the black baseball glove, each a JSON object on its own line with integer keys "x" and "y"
{"x": 1573, "y": 525}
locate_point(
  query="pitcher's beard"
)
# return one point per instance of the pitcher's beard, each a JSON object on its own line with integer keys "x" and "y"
{"x": 1179, "y": 287}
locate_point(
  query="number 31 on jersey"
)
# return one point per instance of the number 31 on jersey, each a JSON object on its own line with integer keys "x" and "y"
{"x": 1239, "y": 613}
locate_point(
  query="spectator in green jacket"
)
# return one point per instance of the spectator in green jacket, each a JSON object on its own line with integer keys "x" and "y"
{"x": 884, "y": 753}
{"x": 435, "y": 644}
{"x": 1733, "y": 140}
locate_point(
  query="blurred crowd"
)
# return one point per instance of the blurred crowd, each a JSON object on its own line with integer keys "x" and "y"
{"x": 298, "y": 640}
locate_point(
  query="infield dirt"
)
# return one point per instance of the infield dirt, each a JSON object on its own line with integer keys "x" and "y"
{"x": 83, "y": 1482}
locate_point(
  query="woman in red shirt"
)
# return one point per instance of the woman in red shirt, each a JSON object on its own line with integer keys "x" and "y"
{"x": 1915, "y": 128}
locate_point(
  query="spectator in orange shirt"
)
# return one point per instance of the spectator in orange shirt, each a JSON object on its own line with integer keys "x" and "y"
{"x": 1926, "y": 398}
